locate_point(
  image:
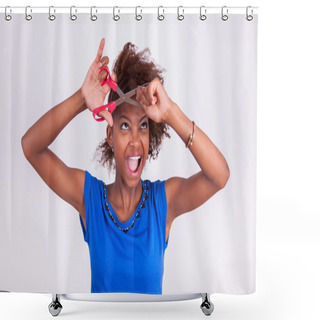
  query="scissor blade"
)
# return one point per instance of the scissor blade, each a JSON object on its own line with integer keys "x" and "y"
{"x": 126, "y": 96}
{"x": 134, "y": 103}
{"x": 119, "y": 92}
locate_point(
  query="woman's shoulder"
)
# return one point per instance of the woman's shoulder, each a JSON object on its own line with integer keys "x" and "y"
{"x": 93, "y": 180}
{"x": 155, "y": 187}
{"x": 154, "y": 183}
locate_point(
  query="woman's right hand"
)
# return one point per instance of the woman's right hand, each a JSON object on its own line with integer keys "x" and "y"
{"x": 91, "y": 89}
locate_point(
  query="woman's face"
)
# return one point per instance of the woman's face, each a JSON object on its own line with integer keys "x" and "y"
{"x": 129, "y": 138}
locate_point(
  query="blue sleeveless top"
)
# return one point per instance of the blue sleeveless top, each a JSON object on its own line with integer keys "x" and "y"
{"x": 131, "y": 260}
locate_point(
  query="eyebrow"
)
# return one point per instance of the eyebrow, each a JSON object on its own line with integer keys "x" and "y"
{"x": 123, "y": 116}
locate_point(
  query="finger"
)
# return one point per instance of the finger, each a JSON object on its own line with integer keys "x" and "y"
{"x": 148, "y": 94}
{"x": 104, "y": 61}
{"x": 114, "y": 77}
{"x": 100, "y": 50}
{"x": 107, "y": 116}
{"x": 103, "y": 75}
{"x": 138, "y": 94}
{"x": 144, "y": 98}
{"x": 151, "y": 91}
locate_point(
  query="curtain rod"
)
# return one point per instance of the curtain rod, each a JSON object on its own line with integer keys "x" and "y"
{"x": 125, "y": 9}
{"x": 138, "y": 11}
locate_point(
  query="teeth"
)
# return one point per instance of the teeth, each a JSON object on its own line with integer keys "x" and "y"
{"x": 135, "y": 158}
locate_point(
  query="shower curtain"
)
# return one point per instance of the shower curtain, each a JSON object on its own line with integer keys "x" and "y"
{"x": 210, "y": 73}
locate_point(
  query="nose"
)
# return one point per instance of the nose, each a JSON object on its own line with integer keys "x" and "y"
{"x": 135, "y": 138}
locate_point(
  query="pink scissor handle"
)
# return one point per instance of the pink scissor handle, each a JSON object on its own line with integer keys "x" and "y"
{"x": 108, "y": 80}
{"x": 110, "y": 106}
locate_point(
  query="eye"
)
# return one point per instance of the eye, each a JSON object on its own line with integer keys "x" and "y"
{"x": 144, "y": 125}
{"x": 124, "y": 126}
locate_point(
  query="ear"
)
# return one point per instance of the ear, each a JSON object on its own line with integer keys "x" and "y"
{"x": 109, "y": 131}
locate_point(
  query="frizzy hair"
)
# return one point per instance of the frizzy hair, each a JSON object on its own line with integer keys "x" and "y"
{"x": 134, "y": 69}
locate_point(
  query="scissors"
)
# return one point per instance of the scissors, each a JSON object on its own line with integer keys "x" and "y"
{"x": 123, "y": 97}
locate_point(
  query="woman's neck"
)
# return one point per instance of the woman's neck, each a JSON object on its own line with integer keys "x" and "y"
{"x": 124, "y": 198}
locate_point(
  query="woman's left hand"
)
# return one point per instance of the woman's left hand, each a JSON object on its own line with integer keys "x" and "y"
{"x": 155, "y": 101}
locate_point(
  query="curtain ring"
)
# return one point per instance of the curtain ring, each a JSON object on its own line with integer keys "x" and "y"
{"x": 93, "y": 16}
{"x": 7, "y": 16}
{"x": 138, "y": 16}
{"x": 224, "y": 13}
{"x": 52, "y": 16}
{"x": 116, "y": 17}
{"x": 203, "y": 14}
{"x": 180, "y": 16}
{"x": 160, "y": 16}
{"x": 249, "y": 17}
{"x": 28, "y": 16}
{"x": 73, "y": 17}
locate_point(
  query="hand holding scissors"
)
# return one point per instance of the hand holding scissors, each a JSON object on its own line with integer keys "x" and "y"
{"x": 155, "y": 101}
{"x": 92, "y": 92}
{"x": 123, "y": 97}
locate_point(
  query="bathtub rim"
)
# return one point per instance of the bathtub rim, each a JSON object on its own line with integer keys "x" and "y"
{"x": 129, "y": 297}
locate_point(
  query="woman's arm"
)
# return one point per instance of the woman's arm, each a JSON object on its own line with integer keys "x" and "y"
{"x": 68, "y": 183}
{"x": 184, "y": 195}
{"x": 208, "y": 156}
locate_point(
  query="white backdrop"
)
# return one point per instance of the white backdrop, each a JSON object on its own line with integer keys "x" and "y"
{"x": 211, "y": 75}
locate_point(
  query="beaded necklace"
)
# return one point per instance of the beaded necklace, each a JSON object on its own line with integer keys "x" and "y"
{"x": 142, "y": 205}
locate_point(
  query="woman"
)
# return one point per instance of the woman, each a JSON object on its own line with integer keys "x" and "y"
{"x": 127, "y": 223}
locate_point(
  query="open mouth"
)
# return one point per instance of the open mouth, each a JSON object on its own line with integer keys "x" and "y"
{"x": 134, "y": 164}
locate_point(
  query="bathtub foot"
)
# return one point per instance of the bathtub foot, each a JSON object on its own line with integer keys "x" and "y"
{"x": 206, "y": 306}
{"x": 55, "y": 306}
